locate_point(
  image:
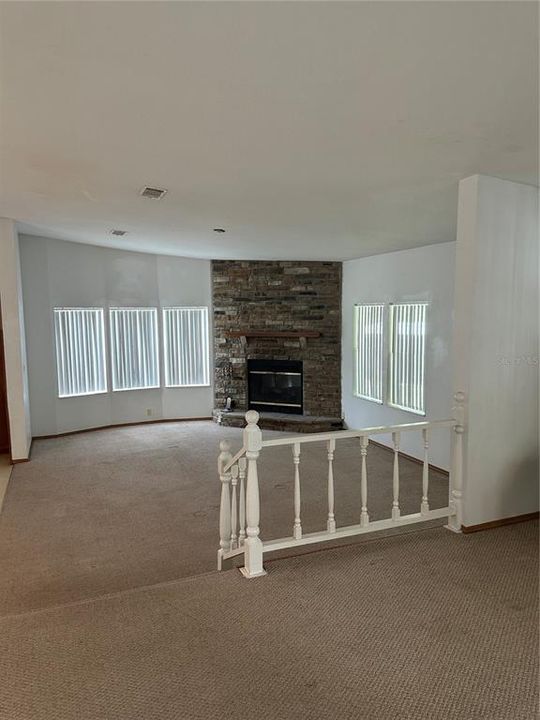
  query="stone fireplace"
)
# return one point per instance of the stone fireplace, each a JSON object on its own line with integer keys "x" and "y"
{"x": 278, "y": 317}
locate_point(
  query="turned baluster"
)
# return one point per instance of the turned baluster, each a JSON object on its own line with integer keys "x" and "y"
{"x": 424, "y": 507}
{"x": 455, "y": 520}
{"x": 395, "y": 503}
{"x": 242, "y": 463}
{"x": 364, "y": 517}
{"x": 225, "y": 505}
{"x": 234, "y": 506}
{"x": 253, "y": 554}
{"x": 297, "y": 529}
{"x": 331, "y": 522}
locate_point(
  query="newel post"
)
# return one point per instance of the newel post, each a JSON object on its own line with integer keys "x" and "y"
{"x": 455, "y": 520}
{"x": 225, "y": 506}
{"x": 253, "y": 547}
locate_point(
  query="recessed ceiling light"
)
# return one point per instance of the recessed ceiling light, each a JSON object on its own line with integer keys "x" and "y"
{"x": 119, "y": 232}
{"x": 153, "y": 193}
{"x": 219, "y": 230}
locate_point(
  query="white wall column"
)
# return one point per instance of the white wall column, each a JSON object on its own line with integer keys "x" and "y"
{"x": 14, "y": 341}
{"x": 496, "y": 346}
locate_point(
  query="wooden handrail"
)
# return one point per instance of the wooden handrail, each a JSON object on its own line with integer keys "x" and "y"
{"x": 363, "y": 432}
{"x": 235, "y": 459}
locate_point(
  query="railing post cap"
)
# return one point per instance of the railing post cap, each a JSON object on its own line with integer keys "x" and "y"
{"x": 252, "y": 417}
{"x": 459, "y": 396}
{"x": 252, "y": 433}
{"x": 224, "y": 446}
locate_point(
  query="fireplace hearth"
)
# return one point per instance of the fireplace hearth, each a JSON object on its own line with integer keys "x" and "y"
{"x": 275, "y": 386}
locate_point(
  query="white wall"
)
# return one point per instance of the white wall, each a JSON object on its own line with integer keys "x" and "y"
{"x": 496, "y": 346}
{"x": 57, "y": 273}
{"x": 421, "y": 274}
{"x": 14, "y": 341}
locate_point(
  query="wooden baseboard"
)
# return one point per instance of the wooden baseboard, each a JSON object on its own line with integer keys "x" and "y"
{"x": 118, "y": 425}
{"x": 498, "y": 523}
{"x": 410, "y": 457}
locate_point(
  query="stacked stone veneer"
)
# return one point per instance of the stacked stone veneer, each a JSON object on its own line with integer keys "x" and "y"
{"x": 280, "y": 296}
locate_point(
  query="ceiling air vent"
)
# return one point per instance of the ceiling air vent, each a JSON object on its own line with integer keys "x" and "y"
{"x": 120, "y": 233}
{"x": 153, "y": 193}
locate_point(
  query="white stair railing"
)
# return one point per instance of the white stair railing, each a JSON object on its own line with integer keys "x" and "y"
{"x": 331, "y": 522}
{"x": 424, "y": 507}
{"x": 297, "y": 527}
{"x": 395, "y": 478}
{"x": 240, "y": 504}
{"x": 242, "y": 466}
{"x": 224, "y": 462}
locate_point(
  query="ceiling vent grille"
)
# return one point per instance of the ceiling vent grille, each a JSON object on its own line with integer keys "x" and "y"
{"x": 120, "y": 233}
{"x": 153, "y": 193}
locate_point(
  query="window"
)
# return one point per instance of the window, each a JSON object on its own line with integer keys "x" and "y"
{"x": 80, "y": 351}
{"x": 368, "y": 351}
{"x": 407, "y": 351}
{"x": 134, "y": 348}
{"x": 185, "y": 341}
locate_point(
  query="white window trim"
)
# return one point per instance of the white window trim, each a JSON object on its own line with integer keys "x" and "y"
{"x": 101, "y": 315}
{"x": 166, "y": 346}
{"x": 85, "y": 394}
{"x": 390, "y": 355}
{"x": 147, "y": 308}
{"x": 356, "y": 393}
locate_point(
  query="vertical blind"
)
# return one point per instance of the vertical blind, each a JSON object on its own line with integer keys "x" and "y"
{"x": 80, "y": 351}
{"x": 185, "y": 339}
{"x": 369, "y": 348}
{"x": 134, "y": 348}
{"x": 407, "y": 352}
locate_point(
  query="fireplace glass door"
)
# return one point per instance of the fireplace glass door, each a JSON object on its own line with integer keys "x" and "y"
{"x": 275, "y": 386}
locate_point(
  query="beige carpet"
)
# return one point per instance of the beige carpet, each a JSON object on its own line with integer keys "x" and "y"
{"x": 105, "y": 511}
{"x": 5, "y": 473}
{"x": 427, "y": 626}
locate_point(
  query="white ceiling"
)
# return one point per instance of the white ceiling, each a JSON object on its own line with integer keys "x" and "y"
{"x": 307, "y": 130}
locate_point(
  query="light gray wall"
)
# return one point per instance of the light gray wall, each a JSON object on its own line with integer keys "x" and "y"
{"x": 56, "y": 273}
{"x": 420, "y": 275}
{"x": 496, "y": 346}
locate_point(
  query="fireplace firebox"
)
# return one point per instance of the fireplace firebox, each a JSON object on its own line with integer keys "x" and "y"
{"x": 275, "y": 386}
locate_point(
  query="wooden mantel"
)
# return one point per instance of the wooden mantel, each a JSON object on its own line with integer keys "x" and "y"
{"x": 302, "y": 335}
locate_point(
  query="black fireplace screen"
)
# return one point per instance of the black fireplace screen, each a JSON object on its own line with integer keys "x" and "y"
{"x": 275, "y": 386}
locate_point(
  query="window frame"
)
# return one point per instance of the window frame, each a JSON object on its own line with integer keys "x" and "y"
{"x": 152, "y": 310}
{"x": 391, "y": 358}
{"x": 102, "y": 333}
{"x": 208, "y": 373}
{"x": 356, "y": 354}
